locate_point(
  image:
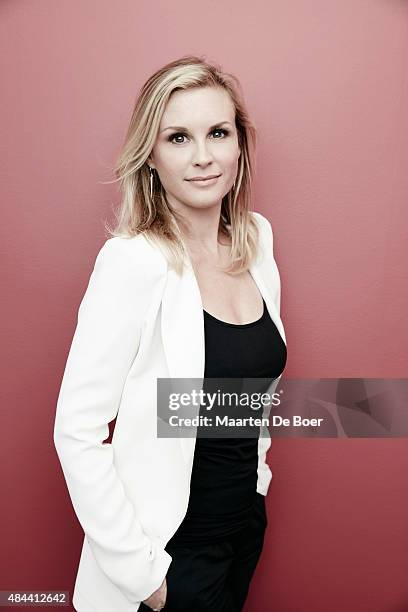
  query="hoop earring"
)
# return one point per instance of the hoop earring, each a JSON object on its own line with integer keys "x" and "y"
{"x": 151, "y": 183}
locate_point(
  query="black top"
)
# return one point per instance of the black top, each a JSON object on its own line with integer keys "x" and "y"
{"x": 224, "y": 475}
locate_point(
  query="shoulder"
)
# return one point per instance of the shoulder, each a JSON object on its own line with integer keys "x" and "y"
{"x": 264, "y": 225}
{"x": 134, "y": 254}
{"x": 133, "y": 251}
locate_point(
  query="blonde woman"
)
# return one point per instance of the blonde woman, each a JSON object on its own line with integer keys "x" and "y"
{"x": 185, "y": 287}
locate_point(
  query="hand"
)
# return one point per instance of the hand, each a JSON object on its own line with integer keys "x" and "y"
{"x": 157, "y": 600}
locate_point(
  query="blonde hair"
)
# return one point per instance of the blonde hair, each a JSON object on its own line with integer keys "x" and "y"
{"x": 153, "y": 216}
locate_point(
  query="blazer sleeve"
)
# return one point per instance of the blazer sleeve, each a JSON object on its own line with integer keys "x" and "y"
{"x": 104, "y": 345}
{"x": 264, "y": 442}
{"x": 274, "y": 267}
{"x": 266, "y": 239}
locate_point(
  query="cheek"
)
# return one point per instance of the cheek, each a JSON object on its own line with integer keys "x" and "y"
{"x": 230, "y": 156}
{"x": 230, "y": 165}
{"x": 173, "y": 164}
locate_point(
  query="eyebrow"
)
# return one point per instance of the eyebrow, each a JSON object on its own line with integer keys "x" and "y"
{"x": 179, "y": 127}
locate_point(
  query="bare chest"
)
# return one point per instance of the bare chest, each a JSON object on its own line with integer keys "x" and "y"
{"x": 234, "y": 299}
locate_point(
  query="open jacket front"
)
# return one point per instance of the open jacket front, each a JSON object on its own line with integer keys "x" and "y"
{"x": 137, "y": 321}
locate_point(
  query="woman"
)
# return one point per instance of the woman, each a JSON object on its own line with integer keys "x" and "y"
{"x": 188, "y": 288}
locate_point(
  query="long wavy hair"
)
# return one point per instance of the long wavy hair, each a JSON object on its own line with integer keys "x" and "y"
{"x": 138, "y": 212}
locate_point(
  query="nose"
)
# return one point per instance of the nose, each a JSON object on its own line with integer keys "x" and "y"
{"x": 202, "y": 155}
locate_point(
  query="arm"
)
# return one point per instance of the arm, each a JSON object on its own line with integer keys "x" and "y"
{"x": 265, "y": 439}
{"x": 103, "y": 348}
{"x": 274, "y": 267}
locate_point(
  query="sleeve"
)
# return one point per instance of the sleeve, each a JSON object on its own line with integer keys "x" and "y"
{"x": 275, "y": 287}
{"x": 104, "y": 345}
{"x": 274, "y": 267}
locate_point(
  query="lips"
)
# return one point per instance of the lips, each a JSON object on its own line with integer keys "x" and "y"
{"x": 204, "y": 178}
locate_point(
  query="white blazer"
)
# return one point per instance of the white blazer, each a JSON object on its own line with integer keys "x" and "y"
{"x": 137, "y": 321}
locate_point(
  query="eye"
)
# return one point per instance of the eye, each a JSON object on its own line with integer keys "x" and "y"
{"x": 221, "y": 130}
{"x": 170, "y": 138}
{"x": 225, "y": 132}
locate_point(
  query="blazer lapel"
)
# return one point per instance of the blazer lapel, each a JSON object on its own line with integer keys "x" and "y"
{"x": 182, "y": 326}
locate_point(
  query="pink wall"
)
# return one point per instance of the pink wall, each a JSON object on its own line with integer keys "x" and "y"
{"x": 326, "y": 84}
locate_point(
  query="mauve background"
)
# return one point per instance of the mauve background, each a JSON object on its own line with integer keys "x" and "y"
{"x": 326, "y": 85}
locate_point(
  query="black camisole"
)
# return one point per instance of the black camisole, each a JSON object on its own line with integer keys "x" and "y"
{"x": 224, "y": 475}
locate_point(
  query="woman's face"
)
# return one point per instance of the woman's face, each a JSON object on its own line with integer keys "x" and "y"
{"x": 197, "y": 138}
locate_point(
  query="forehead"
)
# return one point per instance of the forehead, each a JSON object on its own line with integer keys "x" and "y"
{"x": 200, "y": 105}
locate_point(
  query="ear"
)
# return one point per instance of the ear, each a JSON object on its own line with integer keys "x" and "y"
{"x": 150, "y": 162}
